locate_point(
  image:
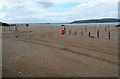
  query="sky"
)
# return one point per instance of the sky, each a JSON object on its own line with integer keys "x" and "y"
{"x": 56, "y": 11}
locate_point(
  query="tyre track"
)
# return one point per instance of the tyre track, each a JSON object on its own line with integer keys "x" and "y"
{"x": 95, "y": 48}
{"x": 43, "y": 42}
{"x": 69, "y": 50}
{"x": 105, "y": 51}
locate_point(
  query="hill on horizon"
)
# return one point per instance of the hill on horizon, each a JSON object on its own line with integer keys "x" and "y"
{"x": 104, "y": 20}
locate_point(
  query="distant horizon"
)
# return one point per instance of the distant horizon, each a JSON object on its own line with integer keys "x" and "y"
{"x": 52, "y": 22}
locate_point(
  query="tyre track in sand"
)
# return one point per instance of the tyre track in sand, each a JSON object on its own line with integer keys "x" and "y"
{"x": 66, "y": 41}
{"x": 50, "y": 44}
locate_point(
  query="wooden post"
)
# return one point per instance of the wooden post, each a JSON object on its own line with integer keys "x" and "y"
{"x": 108, "y": 28}
{"x": 9, "y": 28}
{"x": 98, "y": 34}
{"x": 85, "y": 29}
{"x": 69, "y": 31}
{"x": 16, "y": 28}
{"x": 105, "y": 28}
{"x": 75, "y": 33}
{"x": 89, "y": 34}
{"x": 109, "y": 35}
{"x": 4, "y": 28}
{"x": 65, "y": 30}
{"x": 82, "y": 32}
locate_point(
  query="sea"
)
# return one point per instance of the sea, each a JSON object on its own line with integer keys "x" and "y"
{"x": 69, "y": 24}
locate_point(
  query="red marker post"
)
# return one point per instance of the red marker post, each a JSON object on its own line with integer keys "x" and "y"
{"x": 62, "y": 31}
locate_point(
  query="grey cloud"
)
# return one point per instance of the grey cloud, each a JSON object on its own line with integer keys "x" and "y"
{"x": 47, "y": 4}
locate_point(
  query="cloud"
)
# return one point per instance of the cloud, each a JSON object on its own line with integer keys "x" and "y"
{"x": 97, "y": 9}
{"x": 51, "y": 10}
{"x": 47, "y": 4}
{"x": 18, "y": 1}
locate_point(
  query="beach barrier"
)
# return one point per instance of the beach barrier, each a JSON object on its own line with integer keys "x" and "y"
{"x": 80, "y": 32}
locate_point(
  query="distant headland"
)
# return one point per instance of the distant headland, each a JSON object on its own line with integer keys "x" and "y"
{"x": 104, "y": 20}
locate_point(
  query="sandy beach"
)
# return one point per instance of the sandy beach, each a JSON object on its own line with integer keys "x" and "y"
{"x": 42, "y": 51}
{"x": 0, "y": 52}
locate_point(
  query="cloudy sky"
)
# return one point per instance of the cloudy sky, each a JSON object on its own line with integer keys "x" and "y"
{"x": 57, "y": 11}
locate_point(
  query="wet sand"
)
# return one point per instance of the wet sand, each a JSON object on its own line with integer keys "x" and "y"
{"x": 34, "y": 52}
